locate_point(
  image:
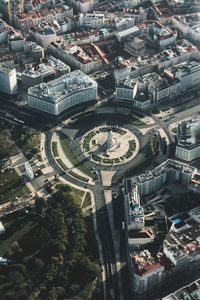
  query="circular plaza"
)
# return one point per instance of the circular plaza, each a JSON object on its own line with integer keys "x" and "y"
{"x": 110, "y": 145}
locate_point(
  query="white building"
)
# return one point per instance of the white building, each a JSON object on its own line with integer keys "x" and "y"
{"x": 147, "y": 272}
{"x": 16, "y": 42}
{"x": 188, "y": 142}
{"x": 92, "y": 20}
{"x": 44, "y": 35}
{"x": 170, "y": 170}
{"x": 4, "y": 31}
{"x": 181, "y": 51}
{"x": 159, "y": 35}
{"x": 189, "y": 25}
{"x": 59, "y": 66}
{"x": 128, "y": 33}
{"x": 8, "y": 79}
{"x": 127, "y": 92}
{"x": 76, "y": 56}
{"x": 83, "y": 5}
{"x": 62, "y": 93}
{"x": 31, "y": 76}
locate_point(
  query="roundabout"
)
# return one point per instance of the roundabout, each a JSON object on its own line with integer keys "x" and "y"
{"x": 104, "y": 139}
{"x": 110, "y": 145}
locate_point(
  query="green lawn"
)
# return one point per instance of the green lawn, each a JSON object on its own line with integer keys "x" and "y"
{"x": 3, "y": 152}
{"x": 11, "y": 186}
{"x": 61, "y": 163}
{"x": 85, "y": 292}
{"x": 137, "y": 122}
{"x": 26, "y": 139}
{"x": 87, "y": 200}
{"x": 68, "y": 152}
{"x": 22, "y": 226}
{"x": 155, "y": 111}
{"x": 77, "y": 194}
{"x": 78, "y": 176}
{"x": 54, "y": 148}
{"x": 174, "y": 130}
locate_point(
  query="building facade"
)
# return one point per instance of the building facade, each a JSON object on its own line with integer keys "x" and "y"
{"x": 8, "y": 79}
{"x": 62, "y": 93}
{"x": 188, "y": 142}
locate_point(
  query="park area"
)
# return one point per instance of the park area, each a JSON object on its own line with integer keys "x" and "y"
{"x": 11, "y": 186}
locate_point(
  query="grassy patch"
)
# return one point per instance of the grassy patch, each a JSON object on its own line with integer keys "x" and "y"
{"x": 77, "y": 194}
{"x": 87, "y": 200}
{"x": 165, "y": 109}
{"x": 118, "y": 130}
{"x": 137, "y": 122}
{"x": 84, "y": 293}
{"x": 132, "y": 146}
{"x": 86, "y": 143}
{"x": 155, "y": 144}
{"x": 174, "y": 130}
{"x": 68, "y": 152}
{"x": 107, "y": 161}
{"x": 11, "y": 186}
{"x": 27, "y": 140}
{"x": 18, "y": 228}
{"x": 104, "y": 129}
{"x": 155, "y": 111}
{"x": 3, "y": 152}
{"x": 96, "y": 158}
{"x": 55, "y": 149}
{"x": 61, "y": 163}
{"x": 78, "y": 176}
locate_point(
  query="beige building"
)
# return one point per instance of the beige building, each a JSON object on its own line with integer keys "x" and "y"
{"x": 135, "y": 47}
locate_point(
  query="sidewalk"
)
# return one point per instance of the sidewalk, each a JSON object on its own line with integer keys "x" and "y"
{"x": 107, "y": 177}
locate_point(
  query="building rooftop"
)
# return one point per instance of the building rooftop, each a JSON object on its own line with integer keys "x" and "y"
{"x": 6, "y": 68}
{"x": 128, "y": 31}
{"x": 144, "y": 263}
{"x": 189, "y": 292}
{"x": 188, "y": 134}
{"x": 164, "y": 168}
{"x": 42, "y": 70}
{"x": 66, "y": 85}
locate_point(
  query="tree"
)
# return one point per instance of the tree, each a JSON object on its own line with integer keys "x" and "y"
{"x": 40, "y": 204}
{"x": 39, "y": 264}
{"x": 52, "y": 294}
{"x": 85, "y": 270}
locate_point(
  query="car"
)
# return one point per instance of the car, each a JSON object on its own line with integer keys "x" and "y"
{"x": 48, "y": 188}
{"x": 96, "y": 177}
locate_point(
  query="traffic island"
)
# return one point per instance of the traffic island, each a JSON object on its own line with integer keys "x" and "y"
{"x": 110, "y": 145}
